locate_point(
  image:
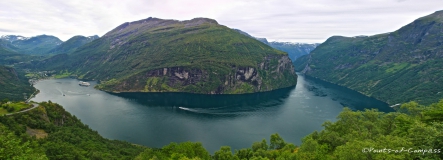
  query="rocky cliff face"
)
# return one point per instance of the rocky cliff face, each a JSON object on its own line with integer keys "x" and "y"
{"x": 239, "y": 80}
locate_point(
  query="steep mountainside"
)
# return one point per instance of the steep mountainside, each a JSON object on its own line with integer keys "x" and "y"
{"x": 8, "y": 57}
{"x": 72, "y": 44}
{"x": 394, "y": 67}
{"x": 263, "y": 40}
{"x": 13, "y": 85}
{"x": 294, "y": 50}
{"x": 198, "y": 56}
{"x": 37, "y": 45}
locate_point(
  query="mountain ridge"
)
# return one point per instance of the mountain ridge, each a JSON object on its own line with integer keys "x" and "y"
{"x": 72, "y": 44}
{"x": 37, "y": 45}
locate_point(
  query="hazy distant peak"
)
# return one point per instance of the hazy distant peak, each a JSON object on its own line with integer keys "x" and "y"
{"x": 12, "y": 38}
{"x": 293, "y": 43}
{"x": 93, "y": 37}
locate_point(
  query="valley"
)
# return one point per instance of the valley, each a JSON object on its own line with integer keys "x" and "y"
{"x": 196, "y": 89}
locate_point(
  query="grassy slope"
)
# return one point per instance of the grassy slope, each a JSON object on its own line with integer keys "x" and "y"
{"x": 395, "y": 67}
{"x": 196, "y": 47}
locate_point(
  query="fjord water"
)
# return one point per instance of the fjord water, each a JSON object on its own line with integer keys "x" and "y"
{"x": 156, "y": 119}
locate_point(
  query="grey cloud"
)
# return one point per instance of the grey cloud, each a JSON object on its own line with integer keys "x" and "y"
{"x": 6, "y": 30}
{"x": 285, "y": 20}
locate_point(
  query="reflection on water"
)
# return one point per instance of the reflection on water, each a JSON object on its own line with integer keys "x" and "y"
{"x": 156, "y": 119}
{"x": 346, "y": 97}
{"x": 213, "y": 105}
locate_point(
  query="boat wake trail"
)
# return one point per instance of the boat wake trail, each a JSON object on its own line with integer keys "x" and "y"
{"x": 217, "y": 111}
{"x": 191, "y": 110}
{"x": 60, "y": 91}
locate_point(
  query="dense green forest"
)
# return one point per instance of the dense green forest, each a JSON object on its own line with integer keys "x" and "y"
{"x": 412, "y": 132}
{"x": 405, "y": 63}
{"x": 14, "y": 85}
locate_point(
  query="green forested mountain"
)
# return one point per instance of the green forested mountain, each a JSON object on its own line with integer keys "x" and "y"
{"x": 72, "y": 44}
{"x": 13, "y": 85}
{"x": 9, "y": 57}
{"x": 394, "y": 67}
{"x": 38, "y": 45}
{"x": 198, "y": 55}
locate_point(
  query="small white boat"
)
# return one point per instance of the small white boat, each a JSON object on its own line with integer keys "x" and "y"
{"x": 86, "y": 84}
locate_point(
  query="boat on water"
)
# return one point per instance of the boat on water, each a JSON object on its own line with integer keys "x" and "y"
{"x": 395, "y": 105}
{"x": 86, "y": 84}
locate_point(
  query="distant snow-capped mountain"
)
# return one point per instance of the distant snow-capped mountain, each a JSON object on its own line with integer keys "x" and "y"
{"x": 294, "y": 50}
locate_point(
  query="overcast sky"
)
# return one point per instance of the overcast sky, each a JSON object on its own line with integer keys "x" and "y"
{"x": 310, "y": 21}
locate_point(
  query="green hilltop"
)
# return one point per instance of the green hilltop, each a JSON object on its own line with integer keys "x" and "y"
{"x": 72, "y": 44}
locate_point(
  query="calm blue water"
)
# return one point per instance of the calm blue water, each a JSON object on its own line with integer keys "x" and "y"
{"x": 156, "y": 119}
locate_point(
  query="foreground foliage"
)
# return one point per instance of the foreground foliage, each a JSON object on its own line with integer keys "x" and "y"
{"x": 67, "y": 137}
{"x": 362, "y": 134}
